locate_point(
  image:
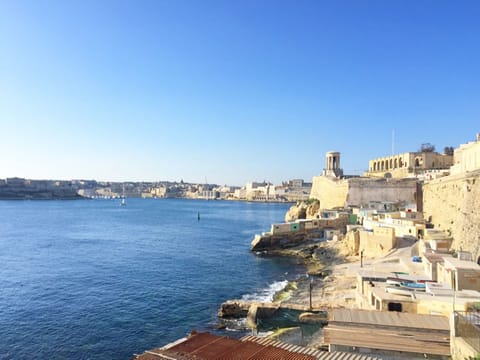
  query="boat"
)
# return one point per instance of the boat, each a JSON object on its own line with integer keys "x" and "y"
{"x": 396, "y": 281}
{"x": 398, "y": 291}
{"x": 124, "y": 201}
{"x": 413, "y": 286}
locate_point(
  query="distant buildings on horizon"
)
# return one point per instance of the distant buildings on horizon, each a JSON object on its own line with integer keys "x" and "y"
{"x": 423, "y": 165}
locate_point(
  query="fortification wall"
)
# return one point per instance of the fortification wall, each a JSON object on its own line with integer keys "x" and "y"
{"x": 330, "y": 191}
{"x": 360, "y": 191}
{"x": 452, "y": 204}
{"x": 363, "y": 190}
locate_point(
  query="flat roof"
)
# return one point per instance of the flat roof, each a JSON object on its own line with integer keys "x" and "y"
{"x": 460, "y": 264}
{"x": 447, "y": 296}
{"x": 410, "y": 341}
{"x": 389, "y": 318}
{"x": 435, "y": 258}
{"x": 381, "y": 293}
{"x": 436, "y": 234}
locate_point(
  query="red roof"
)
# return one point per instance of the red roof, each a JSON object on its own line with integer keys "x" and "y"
{"x": 205, "y": 346}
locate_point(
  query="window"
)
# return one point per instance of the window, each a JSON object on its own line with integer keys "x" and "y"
{"x": 394, "y": 307}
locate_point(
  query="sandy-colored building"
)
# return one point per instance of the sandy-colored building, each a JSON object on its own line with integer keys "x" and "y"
{"x": 403, "y": 223}
{"x": 435, "y": 240}
{"x": 377, "y": 242}
{"x": 305, "y": 225}
{"x": 430, "y": 263}
{"x": 459, "y": 274}
{"x": 394, "y": 335}
{"x": 466, "y": 157}
{"x": 260, "y": 191}
{"x": 410, "y": 164}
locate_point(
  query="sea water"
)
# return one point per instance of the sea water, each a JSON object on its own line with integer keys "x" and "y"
{"x": 91, "y": 279}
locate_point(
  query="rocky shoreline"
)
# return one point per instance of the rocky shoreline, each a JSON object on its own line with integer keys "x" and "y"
{"x": 311, "y": 297}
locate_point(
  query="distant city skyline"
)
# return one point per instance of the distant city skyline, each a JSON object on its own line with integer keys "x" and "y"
{"x": 230, "y": 92}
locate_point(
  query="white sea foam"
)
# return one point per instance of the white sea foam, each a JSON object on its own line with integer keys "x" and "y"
{"x": 267, "y": 294}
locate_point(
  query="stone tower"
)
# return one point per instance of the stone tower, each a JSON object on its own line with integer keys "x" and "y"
{"x": 332, "y": 165}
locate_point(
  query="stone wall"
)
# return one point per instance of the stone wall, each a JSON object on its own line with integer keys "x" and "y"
{"x": 452, "y": 204}
{"x": 334, "y": 192}
{"x": 461, "y": 350}
{"x": 330, "y": 191}
{"x": 377, "y": 243}
{"x": 363, "y": 190}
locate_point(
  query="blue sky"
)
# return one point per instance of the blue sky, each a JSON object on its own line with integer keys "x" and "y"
{"x": 230, "y": 91}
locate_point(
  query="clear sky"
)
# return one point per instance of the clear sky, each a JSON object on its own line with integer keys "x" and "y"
{"x": 230, "y": 91}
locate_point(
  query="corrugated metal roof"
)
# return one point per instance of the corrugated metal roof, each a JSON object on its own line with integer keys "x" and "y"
{"x": 318, "y": 354}
{"x": 205, "y": 346}
{"x": 389, "y": 318}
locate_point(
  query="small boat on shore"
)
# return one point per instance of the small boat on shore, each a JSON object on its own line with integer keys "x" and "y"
{"x": 396, "y": 281}
{"x": 413, "y": 286}
{"x": 426, "y": 281}
{"x": 398, "y": 291}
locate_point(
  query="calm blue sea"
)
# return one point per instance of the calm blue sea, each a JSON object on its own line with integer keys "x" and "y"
{"x": 90, "y": 279}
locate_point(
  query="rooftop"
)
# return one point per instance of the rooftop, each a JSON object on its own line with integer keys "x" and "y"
{"x": 390, "y": 318}
{"x": 454, "y": 263}
{"x": 436, "y": 234}
{"x": 198, "y": 346}
{"x": 404, "y": 332}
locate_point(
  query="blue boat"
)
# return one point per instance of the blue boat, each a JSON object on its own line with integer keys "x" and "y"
{"x": 413, "y": 286}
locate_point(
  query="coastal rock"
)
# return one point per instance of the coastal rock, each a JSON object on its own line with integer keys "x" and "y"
{"x": 270, "y": 242}
{"x": 298, "y": 211}
{"x": 303, "y": 210}
{"x": 312, "y": 318}
{"x": 312, "y": 209}
{"x": 234, "y": 309}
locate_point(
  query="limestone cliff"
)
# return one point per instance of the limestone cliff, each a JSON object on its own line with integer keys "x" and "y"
{"x": 303, "y": 210}
{"x": 453, "y": 204}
